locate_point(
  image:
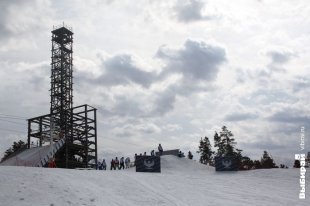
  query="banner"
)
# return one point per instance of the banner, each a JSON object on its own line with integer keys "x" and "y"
{"x": 229, "y": 163}
{"x": 147, "y": 164}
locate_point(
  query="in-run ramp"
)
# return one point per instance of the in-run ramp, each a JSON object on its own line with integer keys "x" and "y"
{"x": 34, "y": 157}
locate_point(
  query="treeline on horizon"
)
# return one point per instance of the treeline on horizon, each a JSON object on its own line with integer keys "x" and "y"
{"x": 225, "y": 145}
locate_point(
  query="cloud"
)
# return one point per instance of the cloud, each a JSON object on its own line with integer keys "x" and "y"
{"x": 291, "y": 115}
{"x": 164, "y": 102}
{"x": 197, "y": 61}
{"x": 280, "y": 57}
{"x": 234, "y": 117}
{"x": 301, "y": 83}
{"x": 190, "y": 10}
{"x": 120, "y": 69}
{"x": 138, "y": 128}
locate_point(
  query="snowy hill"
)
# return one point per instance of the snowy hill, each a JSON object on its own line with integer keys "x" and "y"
{"x": 182, "y": 182}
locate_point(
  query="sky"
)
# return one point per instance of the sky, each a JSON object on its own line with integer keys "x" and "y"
{"x": 166, "y": 72}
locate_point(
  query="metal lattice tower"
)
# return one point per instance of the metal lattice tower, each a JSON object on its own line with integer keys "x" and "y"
{"x": 78, "y": 125}
{"x": 61, "y": 77}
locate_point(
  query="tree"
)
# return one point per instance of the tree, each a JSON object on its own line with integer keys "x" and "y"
{"x": 267, "y": 161}
{"x": 226, "y": 144}
{"x": 297, "y": 164}
{"x": 246, "y": 163}
{"x": 15, "y": 147}
{"x": 205, "y": 151}
{"x": 257, "y": 164}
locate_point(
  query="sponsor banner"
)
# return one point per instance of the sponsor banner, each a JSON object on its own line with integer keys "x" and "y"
{"x": 147, "y": 164}
{"x": 229, "y": 163}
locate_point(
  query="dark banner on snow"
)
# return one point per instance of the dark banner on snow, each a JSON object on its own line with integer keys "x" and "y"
{"x": 147, "y": 164}
{"x": 226, "y": 164}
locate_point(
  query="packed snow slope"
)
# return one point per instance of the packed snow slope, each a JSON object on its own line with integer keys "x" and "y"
{"x": 182, "y": 182}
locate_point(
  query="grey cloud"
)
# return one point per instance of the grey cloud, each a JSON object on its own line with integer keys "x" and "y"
{"x": 164, "y": 102}
{"x": 264, "y": 145}
{"x": 197, "y": 61}
{"x": 280, "y": 57}
{"x": 12, "y": 10}
{"x": 190, "y": 10}
{"x": 124, "y": 107}
{"x": 128, "y": 107}
{"x": 300, "y": 83}
{"x": 4, "y": 16}
{"x": 240, "y": 117}
{"x": 267, "y": 97}
{"x": 289, "y": 115}
{"x": 121, "y": 70}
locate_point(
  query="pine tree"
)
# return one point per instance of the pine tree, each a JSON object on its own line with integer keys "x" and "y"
{"x": 226, "y": 144}
{"x": 15, "y": 147}
{"x": 267, "y": 161}
{"x": 246, "y": 163}
{"x": 257, "y": 164}
{"x": 205, "y": 151}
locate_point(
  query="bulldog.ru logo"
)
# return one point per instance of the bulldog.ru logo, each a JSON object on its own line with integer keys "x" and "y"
{"x": 226, "y": 164}
{"x": 149, "y": 164}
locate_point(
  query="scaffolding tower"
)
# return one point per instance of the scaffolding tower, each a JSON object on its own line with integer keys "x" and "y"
{"x": 78, "y": 125}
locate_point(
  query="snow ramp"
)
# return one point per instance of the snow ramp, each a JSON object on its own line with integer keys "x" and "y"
{"x": 172, "y": 164}
{"x": 34, "y": 157}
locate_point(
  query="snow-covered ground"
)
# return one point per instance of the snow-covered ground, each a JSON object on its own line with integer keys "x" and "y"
{"x": 182, "y": 182}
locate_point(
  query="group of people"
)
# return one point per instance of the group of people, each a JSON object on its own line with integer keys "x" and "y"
{"x": 123, "y": 163}
{"x": 189, "y": 155}
{"x": 120, "y": 163}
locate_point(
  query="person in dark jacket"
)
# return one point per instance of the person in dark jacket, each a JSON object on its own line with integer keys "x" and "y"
{"x": 122, "y": 163}
{"x": 160, "y": 149}
{"x": 190, "y": 155}
{"x": 113, "y": 164}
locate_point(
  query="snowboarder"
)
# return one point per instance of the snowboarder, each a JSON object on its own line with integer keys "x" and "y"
{"x": 152, "y": 153}
{"x": 190, "y": 155}
{"x": 122, "y": 164}
{"x": 160, "y": 149}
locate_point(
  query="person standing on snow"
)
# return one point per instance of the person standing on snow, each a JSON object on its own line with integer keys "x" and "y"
{"x": 160, "y": 149}
{"x": 113, "y": 164}
{"x": 116, "y": 163}
{"x": 190, "y": 155}
{"x": 122, "y": 163}
{"x": 127, "y": 162}
{"x": 104, "y": 165}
